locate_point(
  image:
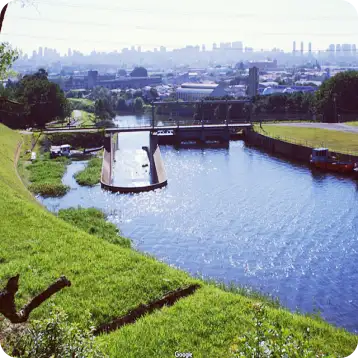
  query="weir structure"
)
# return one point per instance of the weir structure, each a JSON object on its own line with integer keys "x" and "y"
{"x": 158, "y": 177}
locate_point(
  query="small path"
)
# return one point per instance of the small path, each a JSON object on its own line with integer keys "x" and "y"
{"x": 330, "y": 126}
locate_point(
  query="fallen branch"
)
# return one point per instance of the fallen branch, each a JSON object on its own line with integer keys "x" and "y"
{"x": 7, "y": 299}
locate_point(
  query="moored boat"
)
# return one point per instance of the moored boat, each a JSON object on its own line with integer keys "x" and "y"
{"x": 322, "y": 159}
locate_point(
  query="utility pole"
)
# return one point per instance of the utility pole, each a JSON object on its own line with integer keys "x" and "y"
{"x": 153, "y": 115}
{"x": 335, "y": 106}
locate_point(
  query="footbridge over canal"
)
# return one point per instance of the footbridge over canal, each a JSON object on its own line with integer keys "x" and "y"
{"x": 171, "y": 133}
{"x": 200, "y": 133}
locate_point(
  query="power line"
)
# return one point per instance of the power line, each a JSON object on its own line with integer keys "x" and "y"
{"x": 176, "y": 12}
{"x": 128, "y": 25}
{"x": 143, "y": 11}
{"x": 166, "y": 29}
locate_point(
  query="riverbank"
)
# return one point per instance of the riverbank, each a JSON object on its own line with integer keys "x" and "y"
{"x": 335, "y": 140}
{"x": 109, "y": 281}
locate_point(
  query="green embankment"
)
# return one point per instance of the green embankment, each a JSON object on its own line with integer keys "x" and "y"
{"x": 106, "y": 279}
{"x": 343, "y": 142}
{"x": 354, "y": 124}
{"x": 109, "y": 280}
{"x": 93, "y": 221}
{"x": 91, "y": 175}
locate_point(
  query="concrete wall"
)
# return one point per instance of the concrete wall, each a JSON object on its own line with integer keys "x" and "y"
{"x": 159, "y": 178}
{"x": 106, "y": 177}
{"x": 288, "y": 150}
{"x": 159, "y": 166}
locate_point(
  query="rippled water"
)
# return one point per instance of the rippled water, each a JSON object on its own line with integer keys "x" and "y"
{"x": 239, "y": 215}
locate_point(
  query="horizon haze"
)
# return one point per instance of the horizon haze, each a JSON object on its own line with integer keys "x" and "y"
{"x": 87, "y": 26}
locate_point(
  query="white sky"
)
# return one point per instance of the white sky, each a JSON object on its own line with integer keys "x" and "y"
{"x": 108, "y": 25}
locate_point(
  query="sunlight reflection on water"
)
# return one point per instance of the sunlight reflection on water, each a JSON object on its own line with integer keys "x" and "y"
{"x": 238, "y": 215}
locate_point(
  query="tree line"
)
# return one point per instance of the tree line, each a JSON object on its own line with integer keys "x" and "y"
{"x": 34, "y": 101}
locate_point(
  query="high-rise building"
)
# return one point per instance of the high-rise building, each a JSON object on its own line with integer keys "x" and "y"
{"x": 253, "y": 81}
{"x": 294, "y": 48}
{"x": 338, "y": 50}
{"x": 225, "y": 45}
{"x": 354, "y": 49}
{"x": 69, "y": 53}
{"x": 139, "y": 49}
{"x": 310, "y": 48}
{"x": 203, "y": 48}
{"x": 163, "y": 49}
{"x": 347, "y": 49}
{"x": 237, "y": 45}
{"x": 302, "y": 48}
{"x": 40, "y": 52}
{"x": 332, "y": 49}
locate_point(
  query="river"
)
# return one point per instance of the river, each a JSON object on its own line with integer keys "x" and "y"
{"x": 239, "y": 215}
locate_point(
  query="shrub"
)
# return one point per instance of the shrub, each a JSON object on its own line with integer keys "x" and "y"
{"x": 46, "y": 176}
{"x": 107, "y": 123}
{"x": 53, "y": 337}
{"x": 271, "y": 340}
{"x": 75, "y": 140}
{"x": 49, "y": 189}
{"x": 91, "y": 175}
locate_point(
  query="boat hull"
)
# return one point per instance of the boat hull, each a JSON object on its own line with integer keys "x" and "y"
{"x": 335, "y": 167}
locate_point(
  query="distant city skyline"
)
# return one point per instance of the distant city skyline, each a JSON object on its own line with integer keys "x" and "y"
{"x": 88, "y": 26}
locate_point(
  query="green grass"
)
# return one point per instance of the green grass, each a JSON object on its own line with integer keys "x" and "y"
{"x": 82, "y": 104}
{"x": 354, "y": 124}
{"x": 109, "y": 280}
{"x": 91, "y": 175}
{"x": 85, "y": 101}
{"x": 87, "y": 119}
{"x": 343, "y": 142}
{"x": 207, "y": 324}
{"x": 46, "y": 176}
{"x": 93, "y": 221}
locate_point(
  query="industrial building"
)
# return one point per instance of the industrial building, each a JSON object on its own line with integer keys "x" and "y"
{"x": 93, "y": 79}
{"x": 197, "y": 91}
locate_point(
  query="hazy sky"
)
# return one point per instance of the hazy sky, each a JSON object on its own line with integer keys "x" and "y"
{"x": 108, "y": 25}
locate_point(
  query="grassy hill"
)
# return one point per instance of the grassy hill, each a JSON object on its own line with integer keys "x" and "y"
{"x": 108, "y": 281}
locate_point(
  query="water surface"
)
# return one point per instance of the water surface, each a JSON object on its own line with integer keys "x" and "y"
{"x": 239, "y": 215}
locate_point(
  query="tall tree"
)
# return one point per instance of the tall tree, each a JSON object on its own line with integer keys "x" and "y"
{"x": 43, "y": 100}
{"x": 7, "y": 56}
{"x": 338, "y": 95}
